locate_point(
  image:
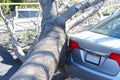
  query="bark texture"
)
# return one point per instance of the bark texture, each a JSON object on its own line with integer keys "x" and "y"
{"x": 44, "y": 59}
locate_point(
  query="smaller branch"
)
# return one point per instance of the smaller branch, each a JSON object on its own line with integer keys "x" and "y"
{"x": 72, "y": 10}
{"x": 83, "y": 16}
{"x": 65, "y": 4}
{"x": 59, "y": 2}
{"x": 18, "y": 50}
{"x": 100, "y": 14}
{"x": 54, "y": 11}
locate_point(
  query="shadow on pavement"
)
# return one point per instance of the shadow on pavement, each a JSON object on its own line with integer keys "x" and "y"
{"x": 8, "y": 65}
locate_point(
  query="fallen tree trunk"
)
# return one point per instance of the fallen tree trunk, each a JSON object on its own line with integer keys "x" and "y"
{"x": 43, "y": 58}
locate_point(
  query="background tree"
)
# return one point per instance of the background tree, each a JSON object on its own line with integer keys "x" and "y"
{"x": 8, "y": 8}
{"x": 12, "y": 7}
{"x": 43, "y": 58}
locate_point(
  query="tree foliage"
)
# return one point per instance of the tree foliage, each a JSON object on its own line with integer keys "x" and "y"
{"x": 17, "y": 0}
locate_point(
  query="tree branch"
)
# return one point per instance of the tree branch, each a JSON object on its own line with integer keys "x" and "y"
{"x": 83, "y": 16}
{"x": 18, "y": 50}
{"x": 54, "y": 10}
{"x": 72, "y": 10}
{"x": 63, "y": 6}
{"x": 48, "y": 11}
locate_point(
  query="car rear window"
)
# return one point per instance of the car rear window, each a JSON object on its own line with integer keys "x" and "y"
{"x": 112, "y": 28}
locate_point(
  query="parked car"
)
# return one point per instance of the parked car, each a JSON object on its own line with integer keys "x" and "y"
{"x": 95, "y": 54}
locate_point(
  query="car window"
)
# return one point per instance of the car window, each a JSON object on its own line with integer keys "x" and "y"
{"x": 110, "y": 29}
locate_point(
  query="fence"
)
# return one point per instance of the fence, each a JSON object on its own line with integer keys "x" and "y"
{"x": 24, "y": 17}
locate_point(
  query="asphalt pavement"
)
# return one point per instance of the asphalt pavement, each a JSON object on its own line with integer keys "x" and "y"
{"x": 8, "y": 64}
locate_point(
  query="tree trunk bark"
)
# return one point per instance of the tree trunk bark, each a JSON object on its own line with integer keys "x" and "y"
{"x": 44, "y": 59}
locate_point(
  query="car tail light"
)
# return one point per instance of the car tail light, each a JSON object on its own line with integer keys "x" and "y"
{"x": 73, "y": 45}
{"x": 115, "y": 57}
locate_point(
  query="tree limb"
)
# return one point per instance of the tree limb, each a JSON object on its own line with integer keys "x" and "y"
{"x": 18, "y": 50}
{"x": 49, "y": 9}
{"x": 46, "y": 8}
{"x": 72, "y": 10}
{"x": 70, "y": 24}
{"x": 63, "y": 6}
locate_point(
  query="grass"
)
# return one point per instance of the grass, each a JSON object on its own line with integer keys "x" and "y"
{"x": 30, "y": 32}
{"x": 0, "y": 19}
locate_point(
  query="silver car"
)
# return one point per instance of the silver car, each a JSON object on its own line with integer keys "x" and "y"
{"x": 95, "y": 54}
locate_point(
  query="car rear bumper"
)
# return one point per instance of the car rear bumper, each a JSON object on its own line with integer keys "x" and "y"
{"x": 86, "y": 73}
